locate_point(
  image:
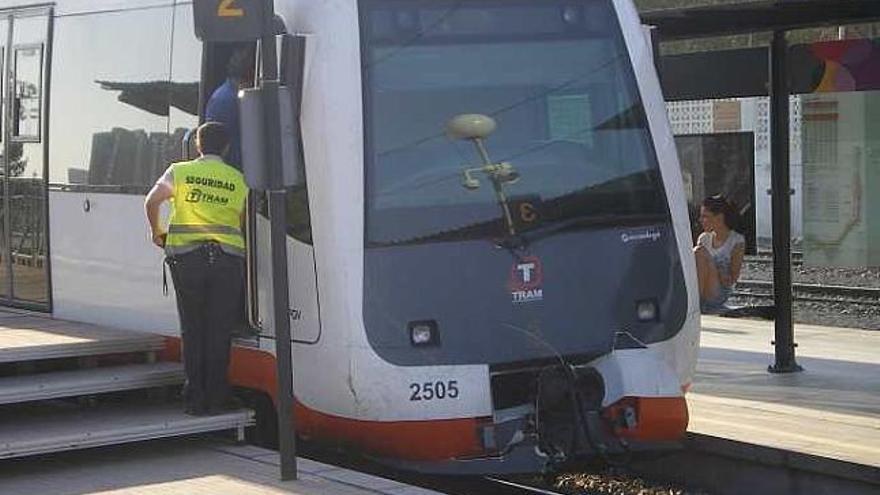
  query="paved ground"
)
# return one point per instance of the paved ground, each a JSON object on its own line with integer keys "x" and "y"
{"x": 197, "y": 466}
{"x": 831, "y": 409}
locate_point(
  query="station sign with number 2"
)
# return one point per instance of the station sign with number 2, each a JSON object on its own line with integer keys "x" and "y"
{"x": 231, "y": 20}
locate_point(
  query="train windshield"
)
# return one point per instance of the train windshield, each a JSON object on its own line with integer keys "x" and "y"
{"x": 556, "y": 80}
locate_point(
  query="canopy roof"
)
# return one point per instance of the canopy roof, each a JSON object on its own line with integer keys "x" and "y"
{"x": 718, "y": 20}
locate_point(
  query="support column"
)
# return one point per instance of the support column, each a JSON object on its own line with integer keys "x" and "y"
{"x": 781, "y": 204}
{"x": 278, "y": 234}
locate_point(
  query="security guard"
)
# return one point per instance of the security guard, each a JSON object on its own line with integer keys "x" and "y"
{"x": 205, "y": 249}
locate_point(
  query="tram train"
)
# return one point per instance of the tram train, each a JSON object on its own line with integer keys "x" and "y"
{"x": 490, "y": 259}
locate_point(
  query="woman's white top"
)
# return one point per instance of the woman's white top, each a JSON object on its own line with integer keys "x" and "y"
{"x": 723, "y": 253}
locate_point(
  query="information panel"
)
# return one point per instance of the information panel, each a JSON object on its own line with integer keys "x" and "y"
{"x": 230, "y": 20}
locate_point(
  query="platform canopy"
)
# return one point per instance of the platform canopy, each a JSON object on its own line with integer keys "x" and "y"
{"x": 777, "y": 15}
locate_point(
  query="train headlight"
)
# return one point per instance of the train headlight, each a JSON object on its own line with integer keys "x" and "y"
{"x": 647, "y": 310}
{"x": 424, "y": 333}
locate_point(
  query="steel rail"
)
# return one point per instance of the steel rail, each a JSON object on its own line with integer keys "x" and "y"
{"x": 520, "y": 488}
{"x": 814, "y": 292}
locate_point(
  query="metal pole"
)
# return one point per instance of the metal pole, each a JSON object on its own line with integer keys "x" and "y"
{"x": 278, "y": 226}
{"x": 781, "y": 201}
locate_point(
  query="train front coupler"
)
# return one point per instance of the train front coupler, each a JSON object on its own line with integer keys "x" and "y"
{"x": 569, "y": 422}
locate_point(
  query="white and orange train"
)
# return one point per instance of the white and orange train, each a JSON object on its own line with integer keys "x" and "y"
{"x": 490, "y": 262}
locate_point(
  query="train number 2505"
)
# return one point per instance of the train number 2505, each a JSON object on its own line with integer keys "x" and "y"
{"x": 434, "y": 390}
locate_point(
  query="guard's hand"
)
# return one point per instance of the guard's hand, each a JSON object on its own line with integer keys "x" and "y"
{"x": 159, "y": 238}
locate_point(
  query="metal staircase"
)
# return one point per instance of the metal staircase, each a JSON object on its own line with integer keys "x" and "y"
{"x": 66, "y": 386}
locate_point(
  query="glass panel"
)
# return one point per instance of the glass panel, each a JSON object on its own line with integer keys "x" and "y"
{"x": 5, "y": 274}
{"x": 186, "y": 69}
{"x": 3, "y": 37}
{"x": 26, "y": 171}
{"x": 27, "y": 203}
{"x": 122, "y": 139}
{"x": 28, "y": 92}
{"x": 556, "y": 78}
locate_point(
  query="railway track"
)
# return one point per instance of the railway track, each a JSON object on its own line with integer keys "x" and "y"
{"x": 485, "y": 485}
{"x": 797, "y": 259}
{"x": 449, "y": 485}
{"x": 812, "y": 292}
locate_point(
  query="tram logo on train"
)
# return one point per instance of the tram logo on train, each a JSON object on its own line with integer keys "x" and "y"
{"x": 527, "y": 280}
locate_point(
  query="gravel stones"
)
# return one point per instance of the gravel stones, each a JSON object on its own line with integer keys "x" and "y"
{"x": 831, "y": 313}
{"x": 614, "y": 484}
{"x": 848, "y": 277}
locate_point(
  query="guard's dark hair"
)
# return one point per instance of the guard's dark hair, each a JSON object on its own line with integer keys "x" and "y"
{"x": 720, "y": 204}
{"x": 212, "y": 138}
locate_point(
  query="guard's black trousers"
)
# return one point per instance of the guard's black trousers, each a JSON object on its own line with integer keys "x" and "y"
{"x": 208, "y": 283}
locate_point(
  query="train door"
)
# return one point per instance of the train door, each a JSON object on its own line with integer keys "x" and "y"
{"x": 304, "y": 305}
{"x": 24, "y": 59}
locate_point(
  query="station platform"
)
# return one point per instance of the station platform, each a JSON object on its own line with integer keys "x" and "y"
{"x": 192, "y": 466}
{"x": 62, "y": 431}
{"x": 830, "y": 411}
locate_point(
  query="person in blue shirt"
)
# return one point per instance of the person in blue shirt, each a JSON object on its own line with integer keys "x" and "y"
{"x": 223, "y": 105}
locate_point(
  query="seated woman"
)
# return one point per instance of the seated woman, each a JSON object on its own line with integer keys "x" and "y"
{"x": 719, "y": 253}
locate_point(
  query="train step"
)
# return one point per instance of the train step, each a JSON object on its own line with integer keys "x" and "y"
{"x": 61, "y": 384}
{"x": 43, "y": 430}
{"x": 33, "y": 338}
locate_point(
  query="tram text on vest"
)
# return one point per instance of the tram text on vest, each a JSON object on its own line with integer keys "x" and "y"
{"x": 199, "y": 196}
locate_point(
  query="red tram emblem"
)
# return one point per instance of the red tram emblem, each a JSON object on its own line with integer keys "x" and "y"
{"x": 526, "y": 280}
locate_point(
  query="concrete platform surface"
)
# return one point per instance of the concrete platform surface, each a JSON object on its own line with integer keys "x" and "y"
{"x": 40, "y": 429}
{"x": 30, "y": 336}
{"x": 192, "y": 466}
{"x": 830, "y": 410}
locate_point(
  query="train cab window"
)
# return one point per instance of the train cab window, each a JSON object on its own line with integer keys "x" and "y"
{"x": 554, "y": 75}
{"x": 27, "y": 97}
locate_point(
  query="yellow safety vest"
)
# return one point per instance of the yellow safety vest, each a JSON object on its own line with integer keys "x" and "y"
{"x": 209, "y": 197}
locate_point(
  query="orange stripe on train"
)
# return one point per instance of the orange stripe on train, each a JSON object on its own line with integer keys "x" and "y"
{"x": 657, "y": 418}
{"x": 413, "y": 440}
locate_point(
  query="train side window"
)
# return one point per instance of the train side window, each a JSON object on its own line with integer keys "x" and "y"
{"x": 110, "y": 100}
{"x": 299, "y": 219}
{"x": 27, "y": 98}
{"x": 185, "y": 74}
